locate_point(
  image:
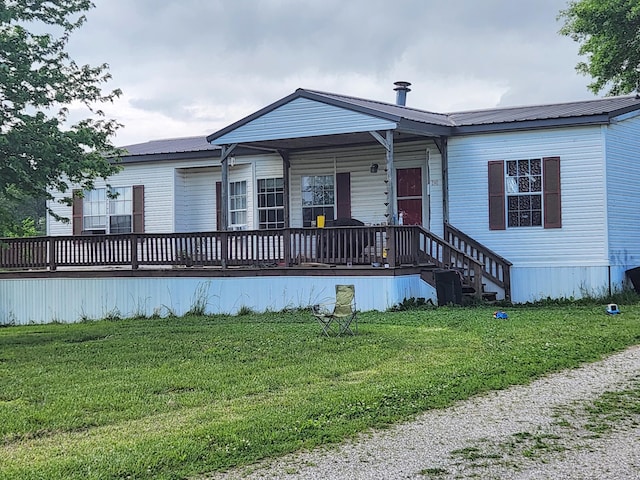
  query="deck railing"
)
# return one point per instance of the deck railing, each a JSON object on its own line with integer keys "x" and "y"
{"x": 353, "y": 245}
{"x": 281, "y": 247}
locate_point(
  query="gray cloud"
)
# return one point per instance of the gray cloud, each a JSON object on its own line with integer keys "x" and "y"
{"x": 199, "y": 61}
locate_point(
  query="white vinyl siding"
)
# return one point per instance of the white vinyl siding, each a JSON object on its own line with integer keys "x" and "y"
{"x": 582, "y": 239}
{"x": 435, "y": 192}
{"x": 623, "y": 191}
{"x": 196, "y": 199}
{"x": 302, "y": 117}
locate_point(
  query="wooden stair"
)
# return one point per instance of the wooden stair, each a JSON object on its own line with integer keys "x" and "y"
{"x": 468, "y": 291}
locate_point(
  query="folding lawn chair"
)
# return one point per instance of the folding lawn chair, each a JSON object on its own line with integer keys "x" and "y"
{"x": 338, "y": 320}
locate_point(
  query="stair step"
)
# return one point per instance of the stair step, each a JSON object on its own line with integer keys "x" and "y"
{"x": 488, "y": 296}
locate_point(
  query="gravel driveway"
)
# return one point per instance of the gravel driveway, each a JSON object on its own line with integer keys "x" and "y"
{"x": 537, "y": 431}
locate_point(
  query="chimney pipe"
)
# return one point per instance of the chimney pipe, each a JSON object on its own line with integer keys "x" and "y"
{"x": 402, "y": 88}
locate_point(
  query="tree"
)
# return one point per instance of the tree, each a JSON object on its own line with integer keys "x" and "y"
{"x": 28, "y": 217}
{"x": 609, "y": 33}
{"x": 39, "y": 147}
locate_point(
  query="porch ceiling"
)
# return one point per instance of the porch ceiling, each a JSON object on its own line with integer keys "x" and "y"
{"x": 324, "y": 141}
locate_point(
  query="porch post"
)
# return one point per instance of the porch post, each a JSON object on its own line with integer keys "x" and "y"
{"x": 286, "y": 167}
{"x": 224, "y": 202}
{"x": 224, "y": 191}
{"x": 392, "y": 208}
{"x": 391, "y": 204}
{"x": 444, "y": 152}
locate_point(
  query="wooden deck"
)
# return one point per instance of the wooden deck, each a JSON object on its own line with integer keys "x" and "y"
{"x": 368, "y": 250}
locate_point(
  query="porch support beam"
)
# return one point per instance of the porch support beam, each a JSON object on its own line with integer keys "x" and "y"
{"x": 390, "y": 203}
{"x": 224, "y": 207}
{"x": 443, "y": 147}
{"x": 286, "y": 167}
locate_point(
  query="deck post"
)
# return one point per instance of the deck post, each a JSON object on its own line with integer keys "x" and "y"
{"x": 477, "y": 280}
{"x": 52, "y": 253}
{"x": 134, "y": 251}
{"x": 415, "y": 245}
{"x": 224, "y": 249}
{"x": 391, "y": 246}
{"x": 286, "y": 238}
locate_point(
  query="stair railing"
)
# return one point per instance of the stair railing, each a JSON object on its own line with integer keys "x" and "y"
{"x": 494, "y": 267}
{"x": 445, "y": 255}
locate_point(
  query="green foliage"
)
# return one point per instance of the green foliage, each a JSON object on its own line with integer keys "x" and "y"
{"x": 413, "y": 303}
{"x": 609, "y": 35}
{"x": 22, "y": 218}
{"x": 39, "y": 148}
{"x": 170, "y": 398}
{"x": 244, "y": 311}
{"x": 26, "y": 228}
{"x": 624, "y": 296}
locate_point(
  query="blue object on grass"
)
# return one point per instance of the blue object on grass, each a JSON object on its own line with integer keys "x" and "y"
{"x": 500, "y": 314}
{"x": 612, "y": 309}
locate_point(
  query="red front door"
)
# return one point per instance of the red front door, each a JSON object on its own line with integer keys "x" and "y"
{"x": 409, "y": 194}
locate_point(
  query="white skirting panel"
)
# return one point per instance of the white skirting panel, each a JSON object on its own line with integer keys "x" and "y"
{"x": 69, "y": 300}
{"x": 529, "y": 284}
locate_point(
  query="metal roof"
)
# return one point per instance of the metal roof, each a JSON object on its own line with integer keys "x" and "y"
{"x": 170, "y": 145}
{"x": 603, "y": 107}
{"x": 400, "y": 112}
{"x": 417, "y": 122}
{"x": 169, "y": 149}
{"x": 595, "y": 111}
{"x": 409, "y": 120}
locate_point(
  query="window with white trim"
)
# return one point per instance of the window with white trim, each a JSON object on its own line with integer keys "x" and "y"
{"x": 120, "y": 210}
{"x": 524, "y": 193}
{"x": 270, "y": 203}
{"x": 238, "y": 204}
{"x": 94, "y": 210}
{"x": 318, "y": 198}
{"x": 108, "y": 210}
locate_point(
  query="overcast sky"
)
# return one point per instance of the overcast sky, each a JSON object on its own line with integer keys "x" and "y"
{"x": 191, "y": 67}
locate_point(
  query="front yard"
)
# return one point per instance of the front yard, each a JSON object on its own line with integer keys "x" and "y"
{"x": 170, "y": 398}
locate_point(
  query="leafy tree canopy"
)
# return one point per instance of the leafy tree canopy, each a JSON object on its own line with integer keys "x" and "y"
{"x": 40, "y": 148}
{"x": 609, "y": 34}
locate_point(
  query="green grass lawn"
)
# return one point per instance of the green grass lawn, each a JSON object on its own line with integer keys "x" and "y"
{"x": 169, "y": 398}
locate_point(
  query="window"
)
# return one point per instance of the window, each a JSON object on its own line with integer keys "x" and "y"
{"x": 270, "y": 203}
{"x": 524, "y": 193}
{"x": 118, "y": 210}
{"x": 318, "y": 198}
{"x": 238, "y": 204}
{"x": 95, "y": 210}
{"x": 527, "y": 193}
{"x": 108, "y": 211}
